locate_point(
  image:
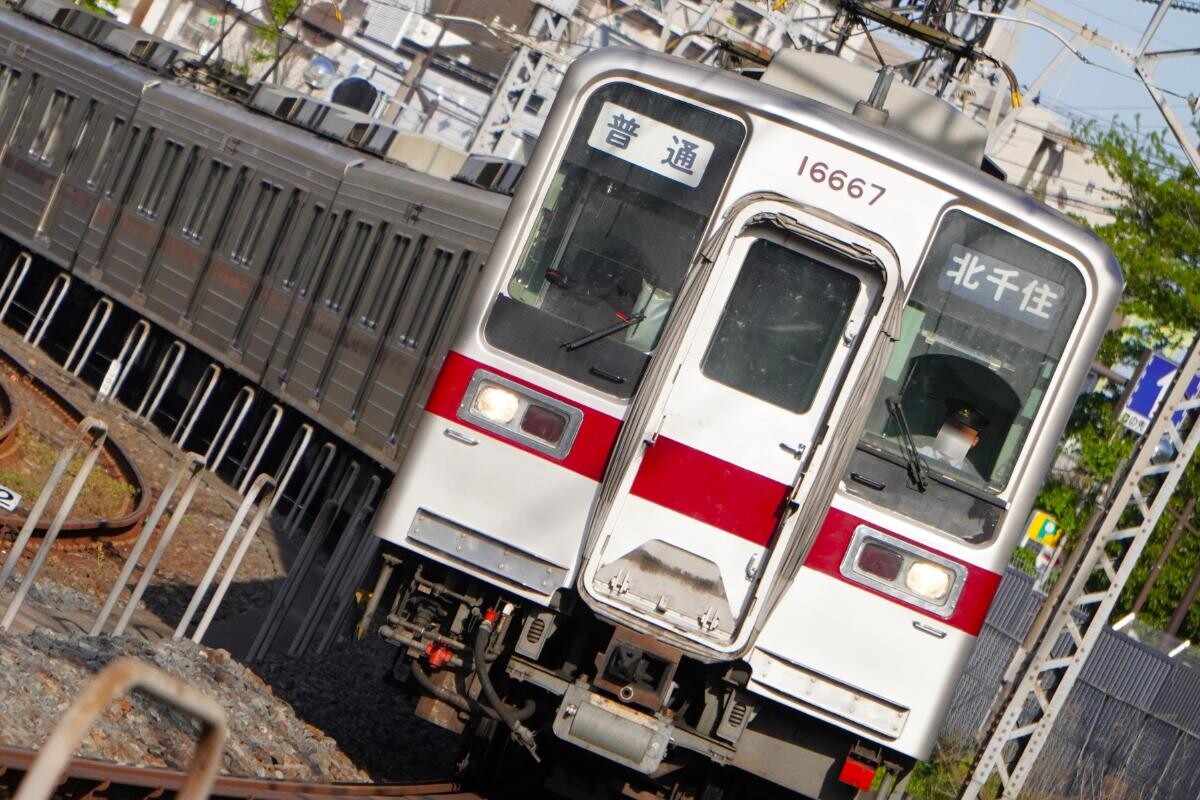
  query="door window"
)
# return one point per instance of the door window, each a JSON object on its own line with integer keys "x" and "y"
{"x": 780, "y": 326}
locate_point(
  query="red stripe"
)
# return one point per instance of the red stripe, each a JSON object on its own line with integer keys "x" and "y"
{"x": 710, "y": 490}
{"x": 593, "y": 443}
{"x": 834, "y": 540}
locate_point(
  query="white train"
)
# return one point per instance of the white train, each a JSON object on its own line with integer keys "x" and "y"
{"x": 749, "y": 411}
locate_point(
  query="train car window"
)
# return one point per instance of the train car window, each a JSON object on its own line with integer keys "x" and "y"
{"x": 260, "y": 209}
{"x": 780, "y": 326}
{"x": 232, "y": 200}
{"x": 616, "y": 233}
{"x": 329, "y": 249}
{"x": 196, "y": 218}
{"x": 304, "y": 253}
{"x": 26, "y": 100}
{"x": 363, "y": 256}
{"x": 383, "y": 282}
{"x": 981, "y": 337}
{"x": 8, "y": 77}
{"x": 417, "y": 305}
{"x": 111, "y": 136}
{"x": 49, "y": 130}
{"x": 122, "y": 179}
{"x": 169, "y": 157}
{"x": 276, "y": 243}
{"x": 345, "y": 276}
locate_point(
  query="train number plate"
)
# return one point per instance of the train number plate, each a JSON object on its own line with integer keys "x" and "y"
{"x": 839, "y": 180}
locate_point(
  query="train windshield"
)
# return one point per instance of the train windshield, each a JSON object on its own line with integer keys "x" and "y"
{"x": 984, "y": 330}
{"x": 614, "y": 236}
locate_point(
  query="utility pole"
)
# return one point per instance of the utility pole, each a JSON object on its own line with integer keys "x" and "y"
{"x": 1103, "y": 564}
{"x": 498, "y": 132}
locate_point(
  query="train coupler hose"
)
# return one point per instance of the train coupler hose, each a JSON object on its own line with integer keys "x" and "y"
{"x": 520, "y": 733}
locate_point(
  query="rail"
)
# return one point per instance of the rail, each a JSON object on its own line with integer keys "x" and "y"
{"x": 85, "y": 774}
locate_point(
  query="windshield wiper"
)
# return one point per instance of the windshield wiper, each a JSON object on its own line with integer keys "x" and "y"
{"x": 597, "y": 335}
{"x": 908, "y": 447}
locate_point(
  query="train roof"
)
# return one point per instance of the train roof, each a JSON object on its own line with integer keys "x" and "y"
{"x": 751, "y": 98}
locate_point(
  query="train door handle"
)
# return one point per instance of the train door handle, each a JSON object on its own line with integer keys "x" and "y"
{"x": 797, "y": 451}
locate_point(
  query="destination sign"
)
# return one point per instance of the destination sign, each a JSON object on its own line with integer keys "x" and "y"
{"x": 650, "y": 144}
{"x": 1010, "y": 290}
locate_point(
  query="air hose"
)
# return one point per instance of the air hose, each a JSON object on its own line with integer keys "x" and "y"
{"x": 506, "y": 712}
{"x": 462, "y": 702}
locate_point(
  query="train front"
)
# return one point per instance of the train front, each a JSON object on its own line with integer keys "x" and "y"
{"x": 680, "y": 493}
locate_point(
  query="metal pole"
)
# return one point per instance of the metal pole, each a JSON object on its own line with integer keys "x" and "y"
{"x": 9, "y": 294}
{"x": 107, "y": 305}
{"x": 1095, "y": 587}
{"x": 190, "y": 465}
{"x": 143, "y": 329}
{"x": 235, "y": 525}
{"x": 98, "y": 431}
{"x": 164, "y": 541}
{"x": 58, "y": 290}
{"x": 195, "y": 405}
{"x": 174, "y": 354}
{"x": 264, "y": 505}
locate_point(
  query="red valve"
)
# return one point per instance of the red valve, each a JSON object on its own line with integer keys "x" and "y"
{"x": 490, "y": 616}
{"x": 438, "y": 655}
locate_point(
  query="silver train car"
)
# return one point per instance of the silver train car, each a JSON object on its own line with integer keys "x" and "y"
{"x": 311, "y": 267}
{"x": 748, "y": 412}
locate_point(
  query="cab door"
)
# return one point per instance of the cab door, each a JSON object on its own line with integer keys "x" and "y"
{"x": 701, "y": 504}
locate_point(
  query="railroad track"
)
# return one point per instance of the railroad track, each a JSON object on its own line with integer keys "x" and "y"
{"x": 88, "y": 779}
{"x": 78, "y": 531}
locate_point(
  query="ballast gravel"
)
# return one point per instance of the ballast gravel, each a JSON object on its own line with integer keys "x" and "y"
{"x": 42, "y": 672}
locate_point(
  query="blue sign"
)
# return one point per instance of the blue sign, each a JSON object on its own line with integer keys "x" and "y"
{"x": 1149, "y": 391}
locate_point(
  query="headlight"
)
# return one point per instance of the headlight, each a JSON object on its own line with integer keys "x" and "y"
{"x": 929, "y": 581}
{"x": 496, "y": 404}
{"x": 903, "y": 570}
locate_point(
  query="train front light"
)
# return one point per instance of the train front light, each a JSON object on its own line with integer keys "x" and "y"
{"x": 903, "y": 570}
{"x": 929, "y": 581}
{"x": 496, "y": 403}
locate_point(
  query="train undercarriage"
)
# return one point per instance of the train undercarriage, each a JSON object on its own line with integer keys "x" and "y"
{"x": 596, "y": 710}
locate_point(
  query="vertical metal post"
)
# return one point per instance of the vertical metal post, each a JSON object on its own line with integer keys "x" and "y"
{"x": 98, "y": 431}
{"x": 303, "y": 563}
{"x": 241, "y": 404}
{"x": 136, "y": 338}
{"x": 53, "y": 298}
{"x": 260, "y": 484}
{"x": 87, "y": 328}
{"x": 164, "y": 541}
{"x": 312, "y": 482}
{"x": 195, "y": 405}
{"x": 157, "y": 388}
{"x": 262, "y": 439}
{"x": 335, "y": 568}
{"x": 264, "y": 505}
{"x": 13, "y": 280}
{"x": 381, "y": 582}
{"x": 190, "y": 465}
{"x": 1095, "y": 586}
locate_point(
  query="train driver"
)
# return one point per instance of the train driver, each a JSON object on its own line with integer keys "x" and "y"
{"x": 958, "y": 434}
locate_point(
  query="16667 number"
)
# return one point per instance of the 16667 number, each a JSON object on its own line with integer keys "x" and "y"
{"x": 838, "y": 180}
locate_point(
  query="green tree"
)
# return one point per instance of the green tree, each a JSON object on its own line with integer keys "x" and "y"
{"x": 1155, "y": 234}
{"x": 100, "y": 6}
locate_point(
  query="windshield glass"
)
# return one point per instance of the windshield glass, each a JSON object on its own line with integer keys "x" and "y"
{"x": 983, "y": 332}
{"x": 615, "y": 235}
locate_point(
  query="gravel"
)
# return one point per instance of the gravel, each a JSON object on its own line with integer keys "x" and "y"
{"x": 42, "y": 672}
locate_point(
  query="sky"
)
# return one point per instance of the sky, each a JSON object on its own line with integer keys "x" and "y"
{"x": 1107, "y": 87}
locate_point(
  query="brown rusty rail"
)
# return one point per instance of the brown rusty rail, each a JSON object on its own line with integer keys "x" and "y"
{"x": 111, "y": 780}
{"x": 78, "y": 531}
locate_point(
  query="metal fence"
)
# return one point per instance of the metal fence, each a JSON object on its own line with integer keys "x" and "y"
{"x": 1131, "y": 726}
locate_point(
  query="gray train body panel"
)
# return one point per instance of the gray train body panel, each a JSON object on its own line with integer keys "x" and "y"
{"x": 220, "y": 224}
{"x": 59, "y": 130}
